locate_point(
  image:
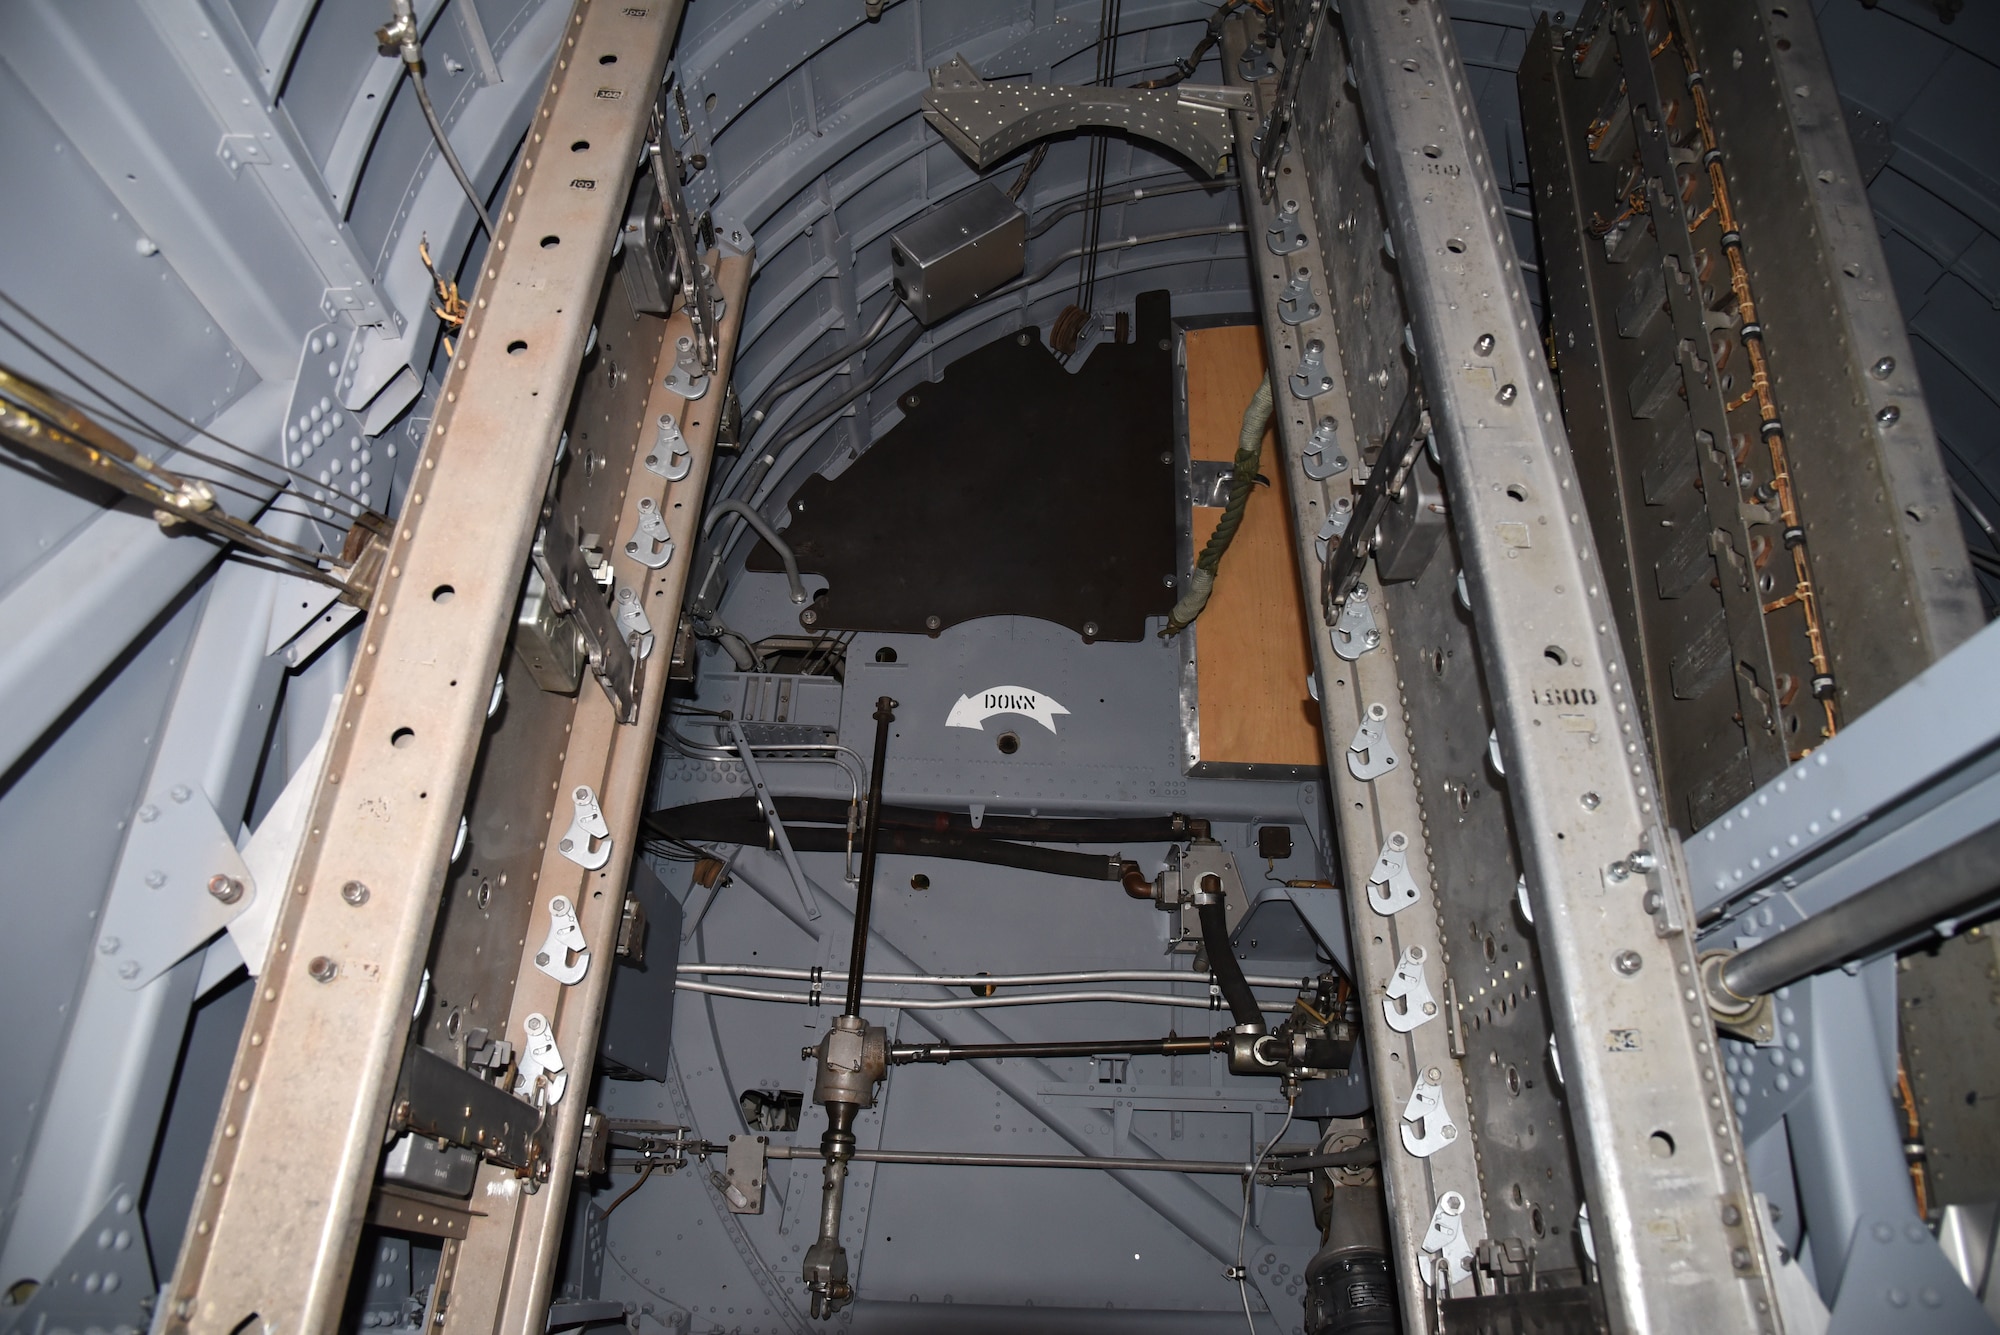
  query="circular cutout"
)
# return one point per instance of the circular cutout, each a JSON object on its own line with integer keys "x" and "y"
{"x": 402, "y": 737}
{"x": 885, "y": 655}
{"x": 517, "y": 347}
{"x": 1517, "y": 492}
{"x": 1661, "y": 1144}
{"x": 442, "y": 593}
{"x": 1432, "y": 150}
{"x": 1008, "y": 743}
{"x": 607, "y": 60}
{"x": 580, "y": 146}
{"x": 920, "y": 882}
{"x": 1455, "y": 246}
{"x": 1554, "y": 653}
{"x": 551, "y": 242}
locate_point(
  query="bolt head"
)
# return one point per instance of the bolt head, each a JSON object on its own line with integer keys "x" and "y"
{"x": 180, "y": 792}
{"x": 1884, "y": 367}
{"x": 156, "y": 878}
{"x": 226, "y": 889}
{"x": 322, "y": 969}
{"x": 354, "y": 893}
{"x": 149, "y": 812}
{"x": 129, "y": 970}
{"x": 1590, "y": 801}
{"x": 1508, "y": 393}
{"x": 933, "y": 622}
{"x": 1628, "y": 962}
{"x": 1889, "y": 414}
{"x": 1483, "y": 344}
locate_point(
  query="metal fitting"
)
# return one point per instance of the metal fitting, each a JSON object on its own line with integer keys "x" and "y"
{"x": 225, "y": 888}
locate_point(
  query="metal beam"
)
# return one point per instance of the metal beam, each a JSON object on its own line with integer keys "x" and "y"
{"x": 285, "y": 1188}
{"x": 1676, "y": 1232}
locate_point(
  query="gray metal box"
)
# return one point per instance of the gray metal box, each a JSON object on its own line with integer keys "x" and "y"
{"x": 958, "y": 252}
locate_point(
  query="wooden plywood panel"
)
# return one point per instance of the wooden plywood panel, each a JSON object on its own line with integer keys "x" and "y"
{"x": 1251, "y": 653}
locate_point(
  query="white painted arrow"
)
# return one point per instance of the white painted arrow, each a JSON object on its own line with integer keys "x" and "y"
{"x": 973, "y": 710}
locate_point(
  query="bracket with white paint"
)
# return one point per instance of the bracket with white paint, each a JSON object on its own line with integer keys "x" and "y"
{"x": 650, "y": 545}
{"x": 1368, "y": 755}
{"x": 1445, "y": 1241}
{"x": 587, "y": 842}
{"x": 565, "y": 955}
{"x": 1355, "y": 632}
{"x": 1391, "y": 888}
{"x": 1406, "y": 998}
{"x": 669, "y": 456}
{"x": 540, "y": 1077}
{"x": 1427, "y": 1127}
{"x": 631, "y": 614}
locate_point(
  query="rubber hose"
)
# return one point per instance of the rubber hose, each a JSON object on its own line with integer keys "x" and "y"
{"x": 1242, "y": 479}
{"x": 762, "y": 529}
{"x": 1228, "y": 970}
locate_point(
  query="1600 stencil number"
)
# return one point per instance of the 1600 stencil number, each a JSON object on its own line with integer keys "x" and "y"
{"x": 1567, "y": 695}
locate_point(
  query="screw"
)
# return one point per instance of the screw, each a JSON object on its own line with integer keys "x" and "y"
{"x": 1090, "y": 630}
{"x": 933, "y": 622}
{"x": 1167, "y": 580}
{"x": 1884, "y": 367}
{"x": 1508, "y": 393}
{"x": 129, "y": 970}
{"x": 149, "y": 812}
{"x": 1731, "y": 1215}
{"x": 1483, "y": 344}
{"x": 1889, "y": 414}
{"x": 1618, "y": 870}
{"x": 808, "y": 617}
{"x": 108, "y": 946}
{"x": 1740, "y": 1258}
{"x": 180, "y": 792}
{"x": 1629, "y": 962}
{"x": 156, "y": 878}
{"x": 354, "y": 893}
{"x": 1653, "y": 901}
{"x": 322, "y": 969}
{"x": 225, "y": 888}
{"x": 1590, "y": 801}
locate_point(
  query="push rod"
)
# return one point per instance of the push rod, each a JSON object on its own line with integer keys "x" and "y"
{"x": 902, "y": 1054}
{"x": 864, "y": 893}
{"x": 1943, "y": 886}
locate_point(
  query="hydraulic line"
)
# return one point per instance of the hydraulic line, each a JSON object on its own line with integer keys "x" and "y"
{"x": 1242, "y": 480}
{"x": 1751, "y": 333}
{"x": 1228, "y": 969}
{"x": 755, "y": 417}
{"x": 1064, "y": 977}
{"x": 1054, "y": 829}
{"x": 751, "y": 831}
{"x": 762, "y": 529}
{"x": 402, "y": 33}
{"x": 1002, "y": 1001}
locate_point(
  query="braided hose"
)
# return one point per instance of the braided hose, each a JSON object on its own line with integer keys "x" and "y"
{"x": 1249, "y": 451}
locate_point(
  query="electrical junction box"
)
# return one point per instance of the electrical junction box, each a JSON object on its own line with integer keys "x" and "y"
{"x": 958, "y": 252}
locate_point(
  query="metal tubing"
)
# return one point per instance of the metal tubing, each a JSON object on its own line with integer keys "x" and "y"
{"x": 983, "y": 979}
{"x": 762, "y": 528}
{"x": 1102, "y": 1163}
{"x": 931, "y": 1004}
{"x": 864, "y": 893}
{"x": 940, "y": 1053}
{"x": 1942, "y": 886}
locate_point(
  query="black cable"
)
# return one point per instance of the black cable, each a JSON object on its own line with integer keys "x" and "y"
{"x": 743, "y": 812}
{"x": 755, "y": 833}
{"x": 1222, "y": 962}
{"x": 864, "y": 889}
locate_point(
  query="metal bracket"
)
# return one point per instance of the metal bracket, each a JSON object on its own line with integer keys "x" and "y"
{"x": 988, "y": 121}
{"x": 1391, "y": 888}
{"x": 565, "y": 955}
{"x": 1386, "y": 477}
{"x": 1320, "y": 460}
{"x": 574, "y": 588}
{"x": 1445, "y": 1240}
{"x": 632, "y": 620}
{"x": 1406, "y": 998}
{"x": 744, "y": 1174}
{"x": 1284, "y": 235}
{"x": 1311, "y": 378}
{"x": 1354, "y": 631}
{"x": 180, "y": 881}
{"x": 687, "y": 377}
{"x": 1427, "y": 1127}
{"x": 698, "y": 295}
{"x": 1368, "y": 755}
{"x": 1297, "y": 304}
{"x": 540, "y": 1077}
{"x": 650, "y": 545}
{"x": 769, "y": 806}
{"x": 104, "y": 1281}
{"x": 587, "y": 843}
{"x": 669, "y": 456}
{"x": 1338, "y": 515}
